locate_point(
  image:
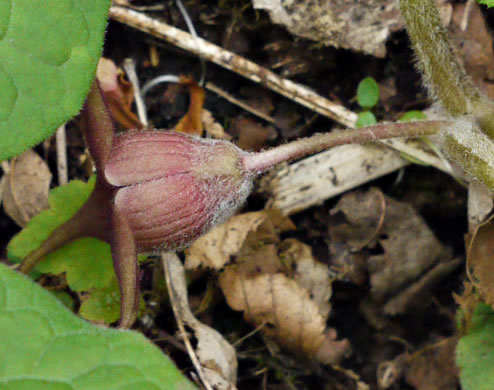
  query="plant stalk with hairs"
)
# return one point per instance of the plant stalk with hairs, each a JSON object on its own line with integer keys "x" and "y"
{"x": 160, "y": 190}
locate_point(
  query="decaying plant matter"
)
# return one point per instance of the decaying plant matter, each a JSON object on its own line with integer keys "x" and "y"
{"x": 159, "y": 190}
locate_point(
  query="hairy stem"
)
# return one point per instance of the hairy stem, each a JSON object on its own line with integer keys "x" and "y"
{"x": 444, "y": 76}
{"x": 257, "y": 163}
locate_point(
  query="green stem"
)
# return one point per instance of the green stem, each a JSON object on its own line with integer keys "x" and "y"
{"x": 444, "y": 76}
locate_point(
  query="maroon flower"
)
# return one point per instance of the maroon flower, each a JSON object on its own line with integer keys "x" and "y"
{"x": 159, "y": 190}
{"x": 172, "y": 187}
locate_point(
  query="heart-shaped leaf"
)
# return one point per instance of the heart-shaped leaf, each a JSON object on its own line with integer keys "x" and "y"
{"x": 48, "y": 55}
{"x": 44, "y": 346}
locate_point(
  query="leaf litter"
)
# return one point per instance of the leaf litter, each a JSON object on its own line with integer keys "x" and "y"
{"x": 256, "y": 254}
{"x": 412, "y": 259}
{"x": 278, "y": 284}
{"x": 119, "y": 94}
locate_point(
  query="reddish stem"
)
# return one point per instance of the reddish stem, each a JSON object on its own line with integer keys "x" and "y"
{"x": 91, "y": 220}
{"x": 257, "y": 163}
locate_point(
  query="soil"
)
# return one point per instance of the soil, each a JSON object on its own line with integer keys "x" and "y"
{"x": 375, "y": 337}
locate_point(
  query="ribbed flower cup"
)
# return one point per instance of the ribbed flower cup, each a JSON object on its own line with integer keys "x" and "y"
{"x": 160, "y": 190}
{"x": 172, "y": 188}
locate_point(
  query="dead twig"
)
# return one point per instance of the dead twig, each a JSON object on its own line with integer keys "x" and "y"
{"x": 63, "y": 176}
{"x": 225, "y": 95}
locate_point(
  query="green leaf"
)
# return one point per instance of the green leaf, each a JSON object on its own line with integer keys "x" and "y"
{"x": 368, "y": 93}
{"x": 48, "y": 55}
{"x": 475, "y": 351}
{"x": 412, "y": 115}
{"x": 65, "y": 298}
{"x": 44, "y": 346}
{"x": 488, "y": 3}
{"x": 365, "y": 118}
{"x": 102, "y": 304}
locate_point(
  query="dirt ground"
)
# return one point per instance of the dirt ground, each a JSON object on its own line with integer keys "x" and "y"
{"x": 392, "y": 249}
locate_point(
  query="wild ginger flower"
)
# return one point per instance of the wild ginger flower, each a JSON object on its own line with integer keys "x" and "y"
{"x": 172, "y": 188}
{"x": 160, "y": 190}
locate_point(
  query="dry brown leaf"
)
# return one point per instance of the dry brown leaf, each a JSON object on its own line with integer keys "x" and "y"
{"x": 212, "y": 126}
{"x": 411, "y": 253}
{"x": 260, "y": 259}
{"x": 418, "y": 290}
{"x": 474, "y": 41}
{"x": 258, "y": 98}
{"x": 289, "y": 292}
{"x": 251, "y": 134}
{"x": 272, "y": 281}
{"x": 309, "y": 273}
{"x": 217, "y": 357}
{"x": 291, "y": 317}
{"x": 480, "y": 260}
{"x": 26, "y": 187}
{"x": 118, "y": 94}
{"x": 214, "y": 249}
{"x": 362, "y": 26}
{"x": 431, "y": 368}
{"x": 434, "y": 367}
{"x": 191, "y": 122}
{"x": 468, "y": 302}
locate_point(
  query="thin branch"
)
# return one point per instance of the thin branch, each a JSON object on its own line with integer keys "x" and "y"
{"x": 63, "y": 175}
{"x": 232, "y": 99}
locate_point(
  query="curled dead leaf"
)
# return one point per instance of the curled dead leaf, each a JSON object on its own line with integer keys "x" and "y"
{"x": 273, "y": 299}
{"x": 480, "y": 260}
{"x": 191, "y": 122}
{"x": 309, "y": 273}
{"x": 433, "y": 367}
{"x": 118, "y": 93}
{"x": 278, "y": 285}
{"x": 217, "y": 357}
{"x": 26, "y": 187}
